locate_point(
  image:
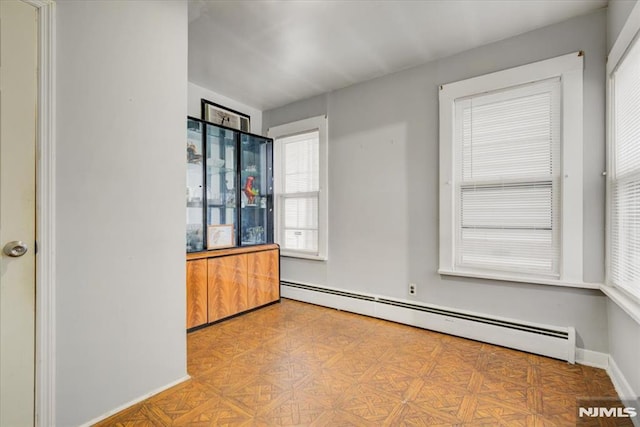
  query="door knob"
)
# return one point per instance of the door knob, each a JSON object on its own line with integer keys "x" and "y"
{"x": 15, "y": 248}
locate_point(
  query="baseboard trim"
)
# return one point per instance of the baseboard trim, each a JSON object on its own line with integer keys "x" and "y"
{"x": 592, "y": 358}
{"x": 376, "y": 306}
{"x": 134, "y": 401}
{"x": 552, "y": 341}
{"x": 624, "y": 389}
{"x": 619, "y": 381}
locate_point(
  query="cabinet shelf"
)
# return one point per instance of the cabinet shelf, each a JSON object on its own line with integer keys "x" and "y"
{"x": 221, "y": 205}
{"x": 215, "y": 169}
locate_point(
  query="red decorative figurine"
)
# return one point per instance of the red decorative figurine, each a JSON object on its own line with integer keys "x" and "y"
{"x": 249, "y": 191}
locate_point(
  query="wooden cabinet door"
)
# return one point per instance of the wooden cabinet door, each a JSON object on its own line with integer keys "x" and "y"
{"x": 196, "y": 293}
{"x": 263, "y": 278}
{"x": 227, "y": 286}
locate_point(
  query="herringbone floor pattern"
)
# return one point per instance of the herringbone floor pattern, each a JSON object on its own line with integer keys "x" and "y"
{"x": 295, "y": 364}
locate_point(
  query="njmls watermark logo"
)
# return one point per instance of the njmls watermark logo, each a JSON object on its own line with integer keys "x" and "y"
{"x": 626, "y": 413}
{"x": 607, "y": 412}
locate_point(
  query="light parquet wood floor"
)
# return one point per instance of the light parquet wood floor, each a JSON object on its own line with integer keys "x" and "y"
{"x": 299, "y": 364}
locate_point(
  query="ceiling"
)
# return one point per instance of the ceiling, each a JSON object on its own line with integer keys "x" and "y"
{"x": 266, "y": 54}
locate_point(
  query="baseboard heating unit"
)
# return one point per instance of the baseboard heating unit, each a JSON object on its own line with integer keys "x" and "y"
{"x": 553, "y": 341}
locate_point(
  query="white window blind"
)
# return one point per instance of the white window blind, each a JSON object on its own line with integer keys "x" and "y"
{"x": 299, "y": 198}
{"x": 508, "y": 176}
{"x": 624, "y": 185}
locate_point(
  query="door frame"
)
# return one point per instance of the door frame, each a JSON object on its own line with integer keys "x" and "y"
{"x": 45, "y": 333}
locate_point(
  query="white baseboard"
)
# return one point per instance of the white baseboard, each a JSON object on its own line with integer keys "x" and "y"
{"x": 370, "y": 305}
{"x": 623, "y": 388}
{"x": 592, "y": 358}
{"x": 338, "y": 302}
{"x": 134, "y": 401}
{"x": 553, "y": 341}
{"x": 620, "y": 382}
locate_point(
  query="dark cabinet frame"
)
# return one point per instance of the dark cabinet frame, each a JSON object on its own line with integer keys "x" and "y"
{"x": 269, "y": 207}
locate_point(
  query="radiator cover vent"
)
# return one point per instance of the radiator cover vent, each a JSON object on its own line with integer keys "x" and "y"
{"x": 552, "y": 341}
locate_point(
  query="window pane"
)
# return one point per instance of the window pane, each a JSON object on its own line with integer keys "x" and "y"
{"x": 509, "y": 135}
{"x": 508, "y": 145}
{"x": 509, "y": 250}
{"x": 301, "y": 163}
{"x": 524, "y": 206}
{"x": 302, "y": 240}
{"x": 627, "y": 114}
{"x": 625, "y": 185}
{"x": 625, "y": 234}
{"x": 301, "y": 212}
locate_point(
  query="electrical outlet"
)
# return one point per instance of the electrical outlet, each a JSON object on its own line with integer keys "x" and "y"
{"x": 412, "y": 288}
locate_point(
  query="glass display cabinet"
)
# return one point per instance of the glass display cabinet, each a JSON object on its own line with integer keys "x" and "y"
{"x": 221, "y": 215}
{"x": 257, "y": 189}
{"x": 195, "y": 178}
{"x": 229, "y": 187}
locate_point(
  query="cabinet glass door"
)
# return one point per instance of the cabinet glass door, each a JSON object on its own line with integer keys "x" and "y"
{"x": 195, "y": 187}
{"x": 256, "y": 190}
{"x": 221, "y": 187}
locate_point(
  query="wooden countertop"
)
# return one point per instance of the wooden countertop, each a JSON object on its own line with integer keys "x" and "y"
{"x": 231, "y": 251}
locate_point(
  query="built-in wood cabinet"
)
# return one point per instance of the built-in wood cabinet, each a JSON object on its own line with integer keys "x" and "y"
{"x": 263, "y": 280}
{"x": 227, "y": 282}
{"x": 196, "y": 293}
{"x": 227, "y": 286}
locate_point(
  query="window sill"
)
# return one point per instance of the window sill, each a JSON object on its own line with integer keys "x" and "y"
{"x": 303, "y": 256}
{"x": 520, "y": 279}
{"x": 624, "y": 301}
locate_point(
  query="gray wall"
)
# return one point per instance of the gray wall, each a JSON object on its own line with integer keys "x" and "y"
{"x": 617, "y": 14}
{"x": 624, "y": 345}
{"x": 383, "y": 194}
{"x": 624, "y": 332}
{"x": 122, "y": 102}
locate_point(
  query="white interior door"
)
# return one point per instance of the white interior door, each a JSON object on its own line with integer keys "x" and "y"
{"x": 18, "y": 92}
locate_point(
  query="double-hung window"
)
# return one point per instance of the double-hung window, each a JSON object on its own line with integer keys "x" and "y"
{"x": 511, "y": 174}
{"x": 623, "y": 184}
{"x": 508, "y": 152}
{"x": 300, "y": 187}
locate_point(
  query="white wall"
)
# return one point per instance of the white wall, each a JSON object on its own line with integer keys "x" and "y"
{"x": 383, "y": 193}
{"x": 624, "y": 331}
{"x": 122, "y": 102}
{"x": 196, "y": 93}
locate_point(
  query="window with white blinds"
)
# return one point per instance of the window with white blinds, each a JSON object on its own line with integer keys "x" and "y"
{"x": 508, "y": 148}
{"x": 298, "y": 200}
{"x": 510, "y": 187}
{"x": 624, "y": 174}
{"x": 300, "y": 178}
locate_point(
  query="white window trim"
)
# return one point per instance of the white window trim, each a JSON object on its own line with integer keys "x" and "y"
{"x": 570, "y": 69}
{"x": 320, "y": 124}
{"x": 629, "y": 33}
